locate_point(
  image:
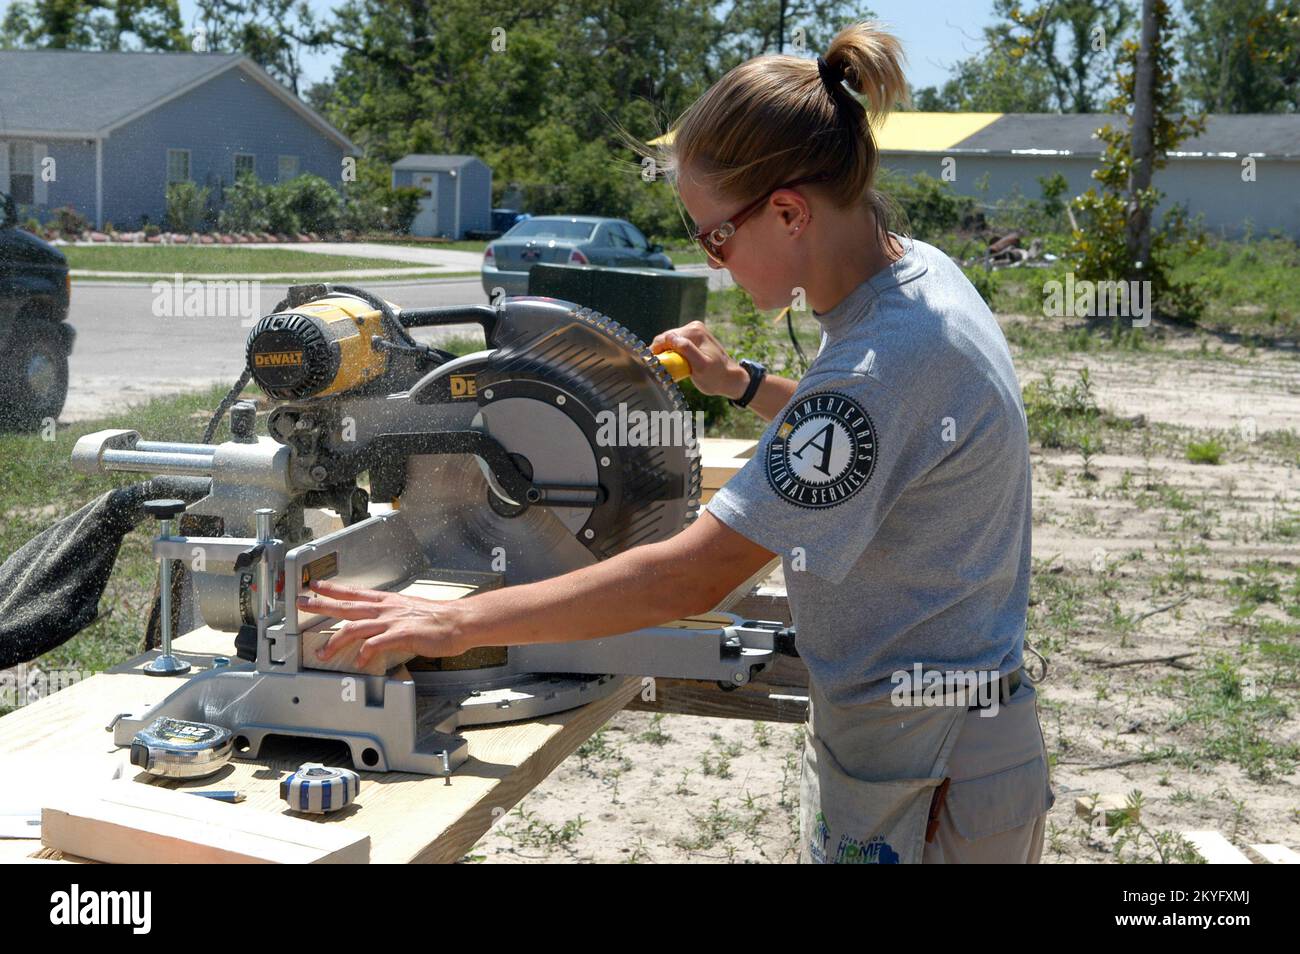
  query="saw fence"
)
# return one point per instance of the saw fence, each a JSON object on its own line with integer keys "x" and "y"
{"x": 61, "y": 765}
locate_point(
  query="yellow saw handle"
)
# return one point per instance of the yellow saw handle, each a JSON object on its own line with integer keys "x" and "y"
{"x": 676, "y": 366}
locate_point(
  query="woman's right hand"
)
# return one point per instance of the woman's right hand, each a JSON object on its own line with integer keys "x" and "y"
{"x": 712, "y": 370}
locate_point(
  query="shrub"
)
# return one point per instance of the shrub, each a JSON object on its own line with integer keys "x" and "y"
{"x": 186, "y": 206}
{"x": 931, "y": 207}
{"x": 245, "y": 208}
{"x": 371, "y": 204}
{"x": 314, "y": 203}
{"x": 69, "y": 221}
{"x": 280, "y": 216}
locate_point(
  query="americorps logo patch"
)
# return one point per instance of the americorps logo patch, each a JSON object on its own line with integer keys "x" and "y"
{"x": 823, "y": 452}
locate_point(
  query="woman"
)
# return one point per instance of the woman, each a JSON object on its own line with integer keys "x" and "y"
{"x": 893, "y": 481}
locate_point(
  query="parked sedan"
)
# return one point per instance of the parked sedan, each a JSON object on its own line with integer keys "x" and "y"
{"x": 566, "y": 239}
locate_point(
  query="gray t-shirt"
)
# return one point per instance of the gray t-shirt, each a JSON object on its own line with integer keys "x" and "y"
{"x": 895, "y": 486}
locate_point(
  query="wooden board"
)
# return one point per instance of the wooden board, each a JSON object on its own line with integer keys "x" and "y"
{"x": 1215, "y": 849}
{"x": 130, "y": 823}
{"x": 1276, "y": 854}
{"x": 448, "y": 586}
{"x": 720, "y": 458}
{"x": 59, "y": 742}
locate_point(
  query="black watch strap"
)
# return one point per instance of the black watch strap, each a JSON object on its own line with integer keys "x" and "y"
{"x": 756, "y": 374}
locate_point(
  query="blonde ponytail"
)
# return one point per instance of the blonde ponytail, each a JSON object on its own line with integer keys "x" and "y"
{"x": 774, "y": 118}
{"x": 872, "y": 63}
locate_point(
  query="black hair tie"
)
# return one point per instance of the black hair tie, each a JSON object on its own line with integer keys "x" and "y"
{"x": 832, "y": 76}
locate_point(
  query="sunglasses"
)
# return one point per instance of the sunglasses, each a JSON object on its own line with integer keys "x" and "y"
{"x": 711, "y": 239}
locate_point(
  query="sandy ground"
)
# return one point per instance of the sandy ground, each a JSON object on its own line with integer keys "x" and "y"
{"x": 1152, "y": 529}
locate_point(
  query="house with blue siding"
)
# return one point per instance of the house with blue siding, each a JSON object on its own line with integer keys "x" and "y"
{"x": 105, "y": 133}
{"x": 456, "y": 193}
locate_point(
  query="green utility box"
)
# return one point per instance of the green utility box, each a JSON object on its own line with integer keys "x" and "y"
{"x": 646, "y": 301}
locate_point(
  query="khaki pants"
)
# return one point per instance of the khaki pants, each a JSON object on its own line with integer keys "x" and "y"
{"x": 870, "y": 772}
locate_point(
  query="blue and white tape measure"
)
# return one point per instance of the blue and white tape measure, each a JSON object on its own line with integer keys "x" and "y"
{"x": 320, "y": 788}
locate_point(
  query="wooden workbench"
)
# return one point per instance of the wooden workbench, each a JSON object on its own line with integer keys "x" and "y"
{"x": 61, "y": 742}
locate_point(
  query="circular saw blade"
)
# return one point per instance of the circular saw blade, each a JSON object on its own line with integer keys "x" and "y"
{"x": 446, "y": 503}
{"x": 633, "y": 414}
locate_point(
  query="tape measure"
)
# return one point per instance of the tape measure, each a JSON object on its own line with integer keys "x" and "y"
{"x": 320, "y": 788}
{"x": 175, "y": 748}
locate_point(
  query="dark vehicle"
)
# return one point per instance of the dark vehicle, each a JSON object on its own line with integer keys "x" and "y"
{"x": 566, "y": 239}
{"x": 503, "y": 220}
{"x": 35, "y": 338}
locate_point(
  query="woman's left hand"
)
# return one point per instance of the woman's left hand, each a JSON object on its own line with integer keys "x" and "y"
{"x": 385, "y": 621}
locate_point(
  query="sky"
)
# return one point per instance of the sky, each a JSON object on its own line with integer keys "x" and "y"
{"x": 935, "y": 35}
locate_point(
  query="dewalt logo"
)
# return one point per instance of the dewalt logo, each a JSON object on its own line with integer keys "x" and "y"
{"x": 463, "y": 386}
{"x": 277, "y": 359}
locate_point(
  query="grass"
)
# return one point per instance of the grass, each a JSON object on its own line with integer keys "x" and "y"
{"x": 1246, "y": 287}
{"x": 532, "y": 832}
{"x": 166, "y": 260}
{"x": 1064, "y": 416}
{"x": 691, "y": 255}
{"x": 1249, "y": 286}
{"x": 1234, "y": 717}
{"x": 1205, "y": 452}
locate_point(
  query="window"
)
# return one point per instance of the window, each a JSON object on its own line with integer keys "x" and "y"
{"x": 553, "y": 228}
{"x": 288, "y": 168}
{"x": 178, "y": 165}
{"x": 245, "y": 164}
{"x": 619, "y": 236}
{"x": 22, "y": 172}
{"x": 638, "y": 240}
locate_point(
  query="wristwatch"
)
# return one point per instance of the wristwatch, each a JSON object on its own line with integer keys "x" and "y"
{"x": 756, "y": 374}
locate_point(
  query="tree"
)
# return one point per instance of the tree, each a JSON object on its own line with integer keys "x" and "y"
{"x": 1242, "y": 56}
{"x": 1106, "y": 244}
{"x": 1087, "y": 29}
{"x": 94, "y": 25}
{"x": 539, "y": 89}
{"x": 991, "y": 82}
{"x": 1050, "y": 56}
{"x": 272, "y": 33}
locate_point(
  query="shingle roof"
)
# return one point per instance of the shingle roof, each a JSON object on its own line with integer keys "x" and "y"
{"x": 87, "y": 93}
{"x": 1228, "y": 136}
{"x": 1275, "y": 135}
{"x": 82, "y": 91}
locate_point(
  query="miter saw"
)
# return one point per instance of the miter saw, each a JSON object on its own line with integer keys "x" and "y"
{"x": 491, "y": 466}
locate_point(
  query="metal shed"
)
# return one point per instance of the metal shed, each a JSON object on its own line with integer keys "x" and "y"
{"x": 457, "y": 193}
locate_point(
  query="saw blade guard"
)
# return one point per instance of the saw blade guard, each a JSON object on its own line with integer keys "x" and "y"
{"x": 583, "y": 408}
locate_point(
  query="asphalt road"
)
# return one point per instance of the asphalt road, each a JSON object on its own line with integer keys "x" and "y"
{"x": 126, "y": 354}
